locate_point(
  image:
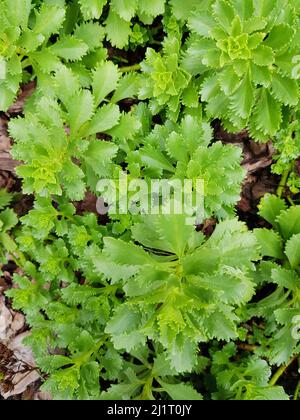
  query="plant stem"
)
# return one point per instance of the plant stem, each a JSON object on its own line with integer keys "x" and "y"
{"x": 281, "y": 371}
{"x": 297, "y": 390}
{"x": 127, "y": 69}
{"x": 283, "y": 182}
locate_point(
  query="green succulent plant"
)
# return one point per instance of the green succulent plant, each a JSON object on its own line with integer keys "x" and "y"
{"x": 245, "y": 49}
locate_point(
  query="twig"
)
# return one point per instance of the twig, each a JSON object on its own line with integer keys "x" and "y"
{"x": 281, "y": 371}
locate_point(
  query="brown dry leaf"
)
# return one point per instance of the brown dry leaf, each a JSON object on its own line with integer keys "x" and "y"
{"x": 23, "y": 372}
{"x": 6, "y": 320}
{"x": 10, "y": 322}
{"x": 7, "y": 163}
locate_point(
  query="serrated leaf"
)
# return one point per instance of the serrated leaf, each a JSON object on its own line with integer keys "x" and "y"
{"x": 81, "y": 110}
{"x": 69, "y": 48}
{"x": 267, "y": 113}
{"x": 270, "y": 207}
{"x": 285, "y": 278}
{"x": 243, "y": 98}
{"x": 91, "y": 34}
{"x": 280, "y": 36}
{"x": 180, "y": 391}
{"x": 5, "y": 198}
{"x": 263, "y": 56}
{"x": 153, "y": 9}
{"x": 292, "y": 250}
{"x": 92, "y": 9}
{"x": 285, "y": 90}
{"x": 201, "y": 23}
{"x": 181, "y": 10}
{"x": 125, "y": 8}
{"x": 224, "y": 14}
{"x": 105, "y": 118}
{"x": 270, "y": 243}
{"x": 126, "y": 253}
{"x": 105, "y": 80}
{"x": 127, "y": 88}
{"x": 117, "y": 29}
{"x": 289, "y": 222}
{"x": 128, "y": 126}
{"x": 66, "y": 84}
{"x": 49, "y": 20}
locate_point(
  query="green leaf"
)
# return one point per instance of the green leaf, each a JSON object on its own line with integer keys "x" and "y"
{"x": 92, "y": 9}
{"x": 263, "y": 56}
{"x": 292, "y": 250}
{"x": 8, "y": 219}
{"x": 242, "y": 100}
{"x": 267, "y": 113}
{"x": 289, "y": 222}
{"x": 201, "y": 23}
{"x": 117, "y": 30}
{"x": 69, "y": 48}
{"x": 124, "y": 253}
{"x": 285, "y": 90}
{"x": 224, "y": 14}
{"x": 105, "y": 118}
{"x": 270, "y": 207}
{"x": 270, "y": 243}
{"x": 99, "y": 154}
{"x": 81, "y": 109}
{"x": 91, "y": 34}
{"x": 5, "y": 198}
{"x": 280, "y": 36}
{"x": 180, "y": 391}
{"x": 181, "y": 10}
{"x": 285, "y": 278}
{"x": 49, "y": 20}
{"x": 125, "y": 8}
{"x": 153, "y": 9}
{"x": 66, "y": 84}
{"x": 105, "y": 80}
{"x": 128, "y": 126}
{"x": 7, "y": 97}
{"x": 128, "y": 87}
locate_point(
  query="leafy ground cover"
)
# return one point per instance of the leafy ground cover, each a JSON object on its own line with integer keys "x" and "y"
{"x": 135, "y": 306}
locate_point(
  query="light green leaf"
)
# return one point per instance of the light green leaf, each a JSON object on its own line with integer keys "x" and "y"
{"x": 66, "y": 84}
{"x": 181, "y": 391}
{"x": 243, "y": 98}
{"x": 289, "y": 222}
{"x": 263, "y": 56}
{"x": 90, "y": 33}
{"x": 270, "y": 208}
{"x": 201, "y": 23}
{"x": 49, "y": 20}
{"x": 270, "y": 243}
{"x": 153, "y": 8}
{"x": 117, "y": 30}
{"x": 125, "y": 253}
{"x": 224, "y": 14}
{"x": 69, "y": 48}
{"x": 267, "y": 113}
{"x": 292, "y": 250}
{"x": 105, "y": 80}
{"x": 127, "y": 87}
{"x": 285, "y": 89}
{"x": 81, "y": 109}
{"x": 125, "y": 8}
{"x": 105, "y": 118}
{"x": 285, "y": 278}
{"x": 92, "y": 9}
{"x": 280, "y": 36}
